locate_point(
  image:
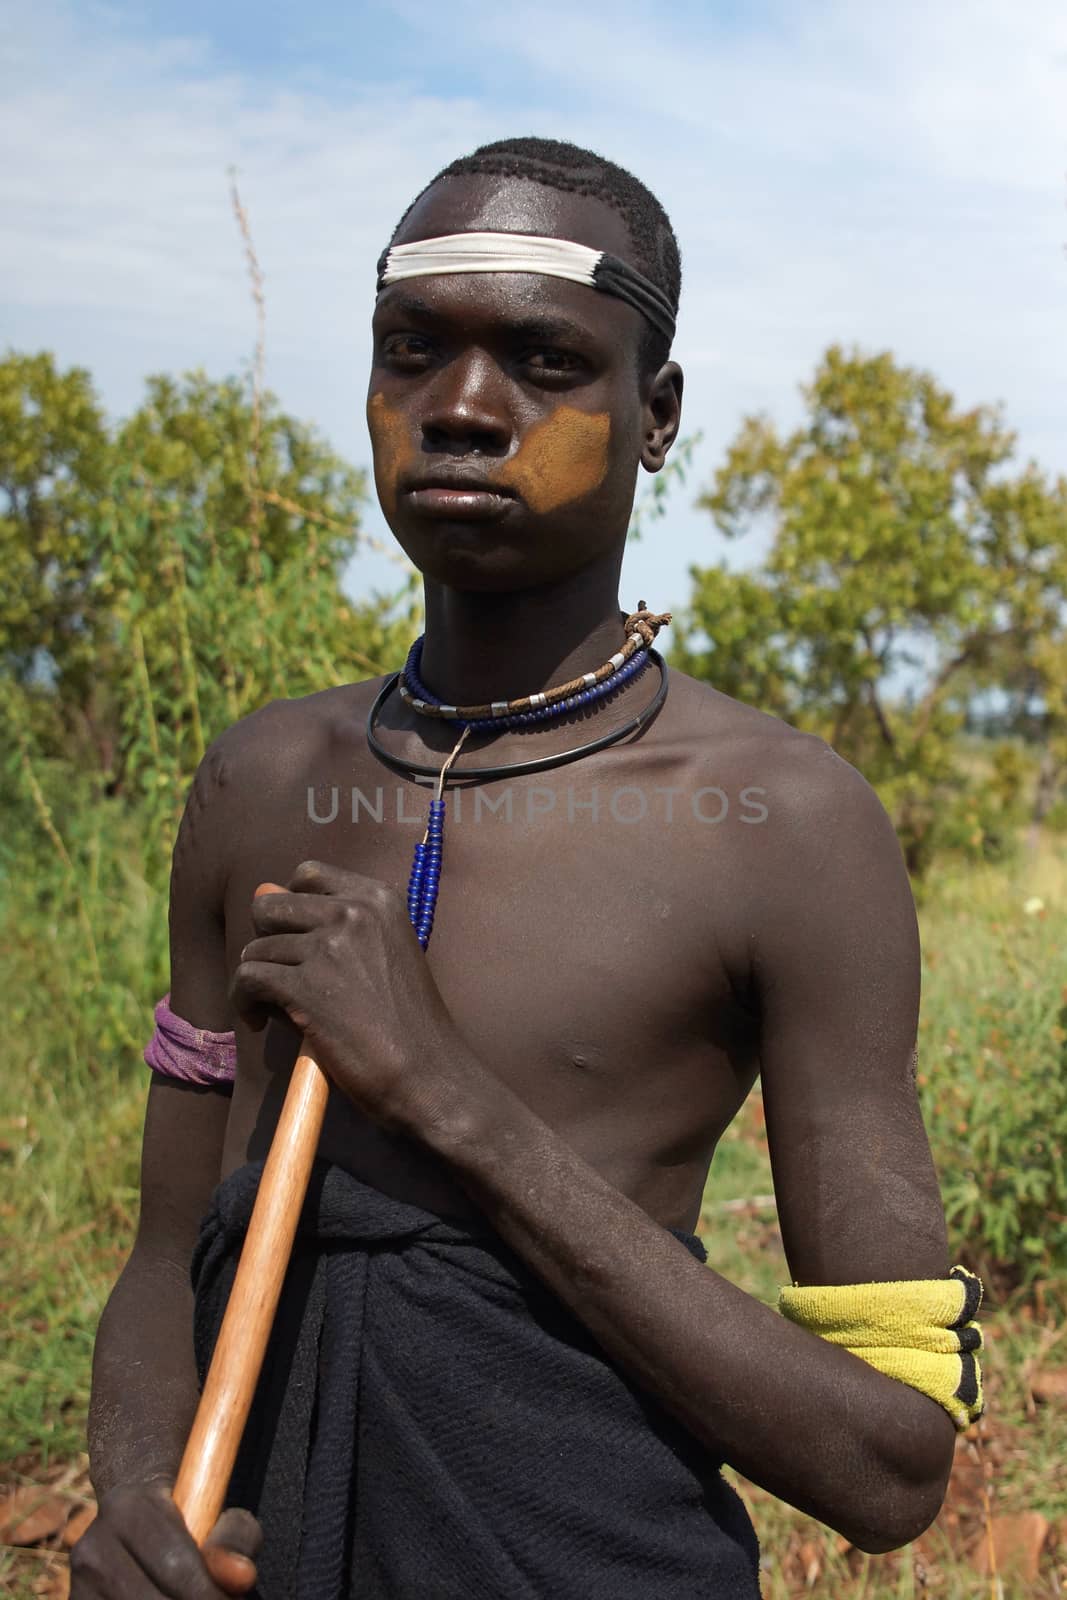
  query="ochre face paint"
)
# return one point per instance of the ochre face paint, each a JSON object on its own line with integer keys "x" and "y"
{"x": 394, "y": 453}
{"x": 560, "y": 460}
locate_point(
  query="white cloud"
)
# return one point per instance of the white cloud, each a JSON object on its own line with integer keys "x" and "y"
{"x": 891, "y": 176}
{"x": 970, "y": 89}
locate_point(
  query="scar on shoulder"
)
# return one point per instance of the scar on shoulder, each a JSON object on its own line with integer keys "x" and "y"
{"x": 212, "y": 774}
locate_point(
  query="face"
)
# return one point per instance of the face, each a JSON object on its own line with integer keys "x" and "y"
{"x": 519, "y": 384}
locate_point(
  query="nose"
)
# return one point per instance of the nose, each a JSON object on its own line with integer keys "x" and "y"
{"x": 465, "y": 407}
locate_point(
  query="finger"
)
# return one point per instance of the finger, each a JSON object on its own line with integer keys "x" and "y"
{"x": 318, "y": 877}
{"x": 258, "y": 987}
{"x": 284, "y": 949}
{"x": 101, "y": 1568}
{"x": 234, "y": 1574}
{"x": 238, "y": 1531}
{"x": 257, "y": 1017}
{"x": 158, "y": 1543}
{"x": 290, "y": 913}
{"x": 230, "y": 1549}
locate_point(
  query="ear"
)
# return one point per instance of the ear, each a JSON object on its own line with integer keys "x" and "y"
{"x": 661, "y": 416}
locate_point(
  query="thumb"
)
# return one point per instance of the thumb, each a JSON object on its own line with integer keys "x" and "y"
{"x": 230, "y": 1549}
{"x": 257, "y": 1017}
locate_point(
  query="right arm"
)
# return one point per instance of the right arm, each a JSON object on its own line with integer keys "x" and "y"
{"x": 144, "y": 1389}
{"x": 145, "y": 1392}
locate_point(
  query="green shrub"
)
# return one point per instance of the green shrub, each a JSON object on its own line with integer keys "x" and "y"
{"x": 993, "y": 1068}
{"x": 1056, "y": 817}
{"x": 976, "y": 826}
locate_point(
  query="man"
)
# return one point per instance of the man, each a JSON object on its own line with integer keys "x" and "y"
{"x": 621, "y": 944}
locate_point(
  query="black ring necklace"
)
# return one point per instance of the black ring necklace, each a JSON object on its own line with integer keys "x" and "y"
{"x": 542, "y": 764}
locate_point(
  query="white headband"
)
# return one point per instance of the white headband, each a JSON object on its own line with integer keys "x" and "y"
{"x": 528, "y": 252}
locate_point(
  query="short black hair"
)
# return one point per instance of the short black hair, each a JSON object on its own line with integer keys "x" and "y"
{"x": 573, "y": 170}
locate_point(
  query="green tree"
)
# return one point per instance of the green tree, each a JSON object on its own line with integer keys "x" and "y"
{"x": 165, "y": 576}
{"x": 899, "y": 537}
{"x": 55, "y": 463}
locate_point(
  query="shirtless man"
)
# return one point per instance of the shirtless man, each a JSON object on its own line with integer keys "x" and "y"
{"x": 607, "y": 974}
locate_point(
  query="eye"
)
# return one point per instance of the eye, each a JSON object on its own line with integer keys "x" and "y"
{"x": 554, "y": 361}
{"x": 405, "y": 347}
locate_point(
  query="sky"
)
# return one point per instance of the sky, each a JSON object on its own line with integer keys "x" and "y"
{"x": 889, "y": 177}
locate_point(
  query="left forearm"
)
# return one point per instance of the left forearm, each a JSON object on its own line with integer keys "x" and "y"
{"x": 804, "y": 1418}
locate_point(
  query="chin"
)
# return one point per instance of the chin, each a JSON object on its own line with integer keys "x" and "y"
{"x": 480, "y": 577}
{"x": 466, "y": 558}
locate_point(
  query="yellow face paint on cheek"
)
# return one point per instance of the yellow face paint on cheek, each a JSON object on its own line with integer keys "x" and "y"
{"x": 393, "y": 452}
{"x": 561, "y": 459}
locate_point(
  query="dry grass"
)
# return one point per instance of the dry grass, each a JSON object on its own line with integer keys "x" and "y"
{"x": 70, "y": 1114}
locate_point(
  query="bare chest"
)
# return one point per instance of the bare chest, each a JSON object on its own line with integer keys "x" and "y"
{"x": 585, "y": 926}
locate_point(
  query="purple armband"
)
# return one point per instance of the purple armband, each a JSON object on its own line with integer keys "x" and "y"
{"x": 192, "y": 1055}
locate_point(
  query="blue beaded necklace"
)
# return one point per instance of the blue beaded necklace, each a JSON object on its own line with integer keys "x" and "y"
{"x": 628, "y": 664}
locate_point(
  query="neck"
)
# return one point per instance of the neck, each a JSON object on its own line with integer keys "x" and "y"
{"x": 490, "y": 646}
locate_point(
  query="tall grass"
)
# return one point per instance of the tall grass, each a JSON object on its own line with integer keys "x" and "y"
{"x": 83, "y": 945}
{"x": 83, "y": 941}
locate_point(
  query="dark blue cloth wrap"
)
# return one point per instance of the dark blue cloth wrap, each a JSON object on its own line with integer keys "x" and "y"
{"x": 433, "y": 1424}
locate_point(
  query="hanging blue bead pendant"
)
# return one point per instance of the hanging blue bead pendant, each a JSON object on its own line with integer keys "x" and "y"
{"x": 426, "y": 864}
{"x": 426, "y": 874}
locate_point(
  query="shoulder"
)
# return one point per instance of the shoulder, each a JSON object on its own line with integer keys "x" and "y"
{"x": 277, "y": 738}
{"x": 804, "y": 774}
{"x": 255, "y": 759}
{"x": 810, "y": 814}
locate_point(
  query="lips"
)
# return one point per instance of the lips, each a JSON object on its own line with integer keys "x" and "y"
{"x": 459, "y": 497}
{"x": 460, "y": 483}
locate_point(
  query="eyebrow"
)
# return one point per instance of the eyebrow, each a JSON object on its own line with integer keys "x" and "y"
{"x": 404, "y": 304}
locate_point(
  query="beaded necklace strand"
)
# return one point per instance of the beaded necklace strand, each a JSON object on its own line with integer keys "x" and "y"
{"x": 627, "y": 664}
{"x": 513, "y": 769}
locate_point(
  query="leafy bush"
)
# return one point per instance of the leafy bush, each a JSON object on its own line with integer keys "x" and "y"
{"x": 975, "y": 826}
{"x": 993, "y": 1067}
{"x": 171, "y": 573}
{"x": 895, "y": 518}
{"x": 1056, "y": 818}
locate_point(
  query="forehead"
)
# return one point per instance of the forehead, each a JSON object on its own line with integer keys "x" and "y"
{"x": 480, "y": 203}
{"x": 515, "y": 205}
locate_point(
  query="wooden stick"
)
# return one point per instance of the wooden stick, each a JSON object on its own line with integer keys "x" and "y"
{"x": 211, "y": 1450}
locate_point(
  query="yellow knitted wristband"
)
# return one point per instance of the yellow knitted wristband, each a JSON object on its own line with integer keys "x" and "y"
{"x": 921, "y": 1332}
